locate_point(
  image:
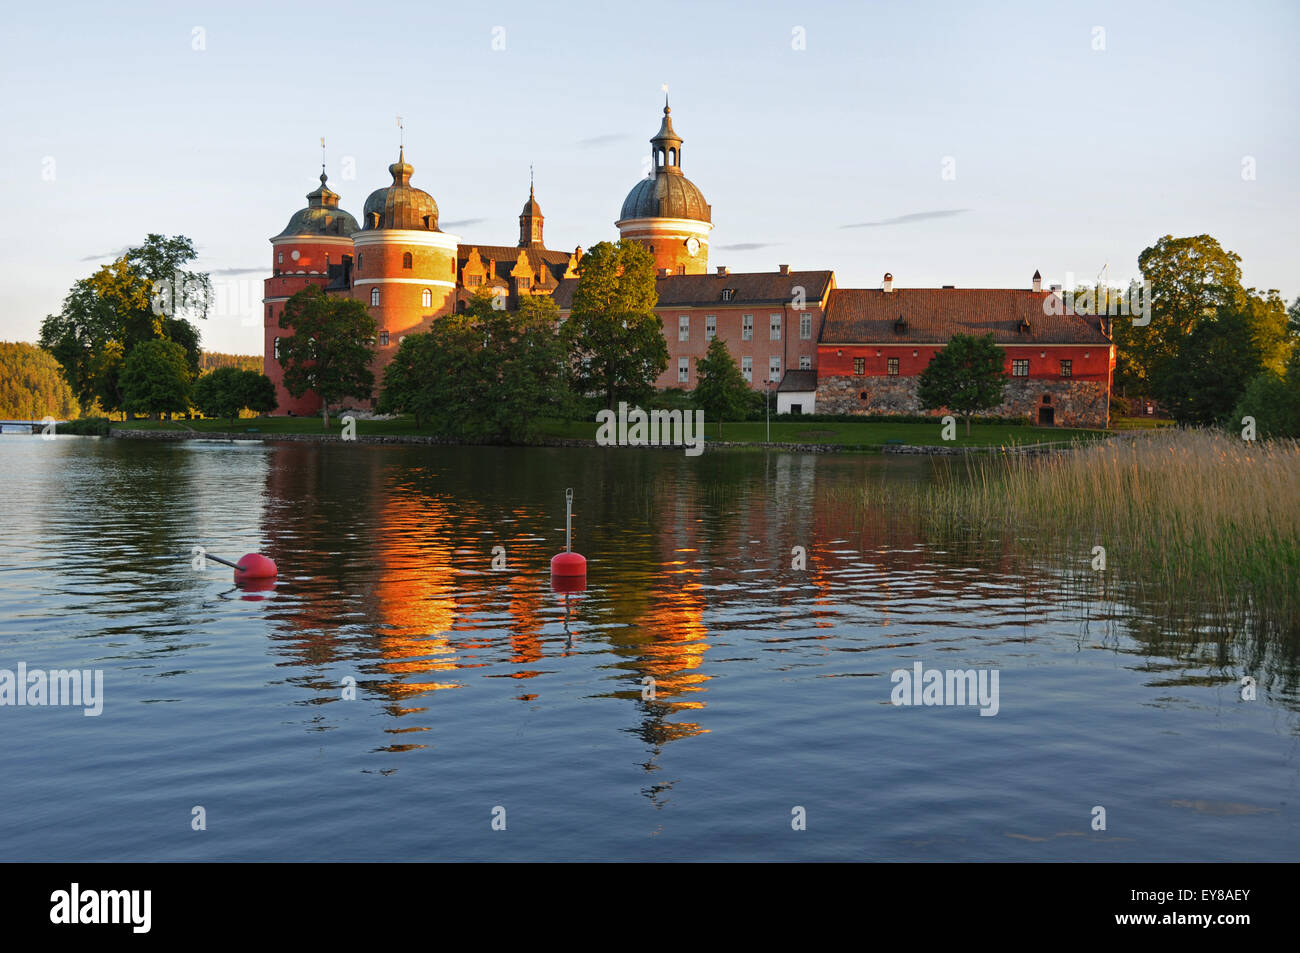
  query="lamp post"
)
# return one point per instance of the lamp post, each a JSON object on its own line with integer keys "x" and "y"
{"x": 767, "y": 406}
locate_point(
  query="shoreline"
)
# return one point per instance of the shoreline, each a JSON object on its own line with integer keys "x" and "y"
{"x": 128, "y": 433}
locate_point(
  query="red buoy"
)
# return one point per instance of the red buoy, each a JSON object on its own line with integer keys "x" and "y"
{"x": 254, "y": 566}
{"x": 568, "y": 569}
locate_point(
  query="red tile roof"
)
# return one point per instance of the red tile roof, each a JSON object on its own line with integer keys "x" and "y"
{"x": 933, "y": 315}
{"x": 703, "y": 291}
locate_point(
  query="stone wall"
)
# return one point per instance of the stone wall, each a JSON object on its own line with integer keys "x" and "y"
{"x": 1075, "y": 403}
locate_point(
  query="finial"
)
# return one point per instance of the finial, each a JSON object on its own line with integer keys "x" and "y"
{"x": 664, "y": 87}
{"x": 530, "y": 180}
{"x": 323, "y": 176}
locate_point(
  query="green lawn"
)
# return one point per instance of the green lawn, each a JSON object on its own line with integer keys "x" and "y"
{"x": 853, "y": 434}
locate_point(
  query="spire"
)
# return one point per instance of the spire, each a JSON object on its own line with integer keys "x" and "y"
{"x": 530, "y": 220}
{"x": 667, "y": 145}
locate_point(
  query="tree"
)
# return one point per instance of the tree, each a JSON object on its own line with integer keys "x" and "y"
{"x": 485, "y": 374}
{"x": 104, "y": 317}
{"x": 211, "y": 360}
{"x": 614, "y": 337}
{"x": 968, "y": 375}
{"x": 1191, "y": 278}
{"x": 330, "y": 350}
{"x": 722, "y": 390}
{"x": 156, "y": 379}
{"x": 32, "y": 386}
{"x": 226, "y": 391}
{"x": 1273, "y": 401}
{"x": 1205, "y": 379}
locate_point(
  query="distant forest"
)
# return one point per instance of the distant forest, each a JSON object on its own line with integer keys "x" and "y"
{"x": 211, "y": 360}
{"x": 32, "y": 385}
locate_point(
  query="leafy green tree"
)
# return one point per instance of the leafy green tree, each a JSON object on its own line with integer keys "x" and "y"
{"x": 722, "y": 390}
{"x": 1203, "y": 381}
{"x": 104, "y": 317}
{"x": 1274, "y": 402}
{"x": 226, "y": 391}
{"x": 330, "y": 350}
{"x": 156, "y": 379}
{"x": 32, "y": 385}
{"x": 211, "y": 360}
{"x": 614, "y": 337}
{"x": 967, "y": 376}
{"x": 485, "y": 374}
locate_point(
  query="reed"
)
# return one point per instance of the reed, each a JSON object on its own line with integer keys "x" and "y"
{"x": 1197, "y": 524}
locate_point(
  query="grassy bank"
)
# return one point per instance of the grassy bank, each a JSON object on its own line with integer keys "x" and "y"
{"x": 869, "y": 435}
{"x": 1199, "y": 523}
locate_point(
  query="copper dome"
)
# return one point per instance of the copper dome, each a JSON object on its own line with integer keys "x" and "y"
{"x": 401, "y": 205}
{"x": 322, "y": 216}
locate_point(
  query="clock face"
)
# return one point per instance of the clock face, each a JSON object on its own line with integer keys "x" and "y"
{"x": 693, "y": 246}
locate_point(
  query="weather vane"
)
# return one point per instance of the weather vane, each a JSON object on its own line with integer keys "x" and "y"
{"x": 401, "y": 133}
{"x": 322, "y": 155}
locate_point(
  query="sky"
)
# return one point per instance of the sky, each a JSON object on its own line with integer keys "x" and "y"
{"x": 947, "y": 143}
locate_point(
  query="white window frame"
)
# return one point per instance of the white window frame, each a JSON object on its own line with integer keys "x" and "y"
{"x": 1017, "y": 364}
{"x": 710, "y": 327}
{"x": 805, "y": 362}
{"x": 374, "y": 297}
{"x": 683, "y": 327}
{"x": 774, "y": 326}
{"x": 683, "y": 370}
{"x": 426, "y": 298}
{"x": 805, "y": 327}
{"x": 746, "y": 367}
{"x": 774, "y": 368}
{"x": 747, "y": 327}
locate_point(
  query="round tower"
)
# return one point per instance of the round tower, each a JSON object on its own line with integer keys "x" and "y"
{"x": 666, "y": 212}
{"x": 405, "y": 267}
{"x": 316, "y": 237}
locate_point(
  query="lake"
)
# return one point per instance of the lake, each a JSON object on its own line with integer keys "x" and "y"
{"x": 705, "y": 698}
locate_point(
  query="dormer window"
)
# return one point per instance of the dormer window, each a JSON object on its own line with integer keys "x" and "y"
{"x": 525, "y": 283}
{"x": 728, "y": 294}
{"x": 1024, "y": 326}
{"x": 900, "y": 326}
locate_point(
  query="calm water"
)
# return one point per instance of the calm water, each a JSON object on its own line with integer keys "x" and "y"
{"x": 473, "y": 691}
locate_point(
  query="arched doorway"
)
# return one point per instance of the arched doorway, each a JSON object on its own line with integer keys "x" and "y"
{"x": 1046, "y": 412}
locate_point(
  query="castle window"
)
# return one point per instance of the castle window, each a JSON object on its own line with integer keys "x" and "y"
{"x": 859, "y": 365}
{"x": 773, "y": 368}
{"x": 805, "y": 327}
{"x": 1067, "y": 368}
{"x": 374, "y": 297}
{"x": 747, "y": 328}
{"x": 728, "y": 294}
{"x": 1020, "y": 367}
{"x": 683, "y": 370}
{"x": 359, "y": 257}
{"x": 525, "y": 283}
{"x": 710, "y": 327}
{"x": 275, "y": 348}
{"x": 775, "y": 326}
{"x": 406, "y": 260}
{"x": 383, "y": 339}
{"x": 892, "y": 365}
{"x": 747, "y": 368}
{"x": 426, "y": 298}
{"x": 474, "y": 280}
{"x": 279, "y": 258}
{"x": 805, "y": 362}
{"x": 683, "y": 327}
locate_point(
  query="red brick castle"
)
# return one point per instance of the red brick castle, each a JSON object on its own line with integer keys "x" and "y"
{"x": 823, "y": 349}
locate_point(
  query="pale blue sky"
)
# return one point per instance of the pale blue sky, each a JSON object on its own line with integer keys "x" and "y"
{"x": 1066, "y": 157}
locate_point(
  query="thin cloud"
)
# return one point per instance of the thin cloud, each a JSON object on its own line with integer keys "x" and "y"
{"x": 606, "y": 139}
{"x": 909, "y": 218}
{"x": 745, "y": 246}
{"x": 239, "y": 271}
{"x": 461, "y": 223}
{"x": 110, "y": 256}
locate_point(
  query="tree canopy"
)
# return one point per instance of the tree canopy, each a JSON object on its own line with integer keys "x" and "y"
{"x": 226, "y": 391}
{"x": 614, "y": 337}
{"x": 330, "y": 349}
{"x": 967, "y": 376}
{"x": 722, "y": 390}
{"x": 32, "y": 386}
{"x": 156, "y": 379}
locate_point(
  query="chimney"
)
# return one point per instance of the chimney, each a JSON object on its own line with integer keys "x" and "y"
{"x": 1056, "y": 289}
{"x": 1038, "y": 282}
{"x": 665, "y": 272}
{"x": 783, "y": 269}
{"x": 722, "y": 270}
{"x": 889, "y": 283}
{"x": 949, "y": 287}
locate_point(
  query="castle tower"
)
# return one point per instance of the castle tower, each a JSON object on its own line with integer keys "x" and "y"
{"x": 666, "y": 212}
{"x": 316, "y": 237}
{"x": 405, "y": 267}
{"x": 530, "y": 223}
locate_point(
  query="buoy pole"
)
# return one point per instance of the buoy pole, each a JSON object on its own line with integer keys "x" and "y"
{"x": 568, "y": 569}
{"x": 568, "y": 520}
{"x": 218, "y": 559}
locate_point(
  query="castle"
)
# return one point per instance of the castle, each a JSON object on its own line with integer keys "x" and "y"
{"x": 821, "y": 348}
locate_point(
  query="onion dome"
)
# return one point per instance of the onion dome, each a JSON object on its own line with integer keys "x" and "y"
{"x": 322, "y": 216}
{"x": 401, "y": 205}
{"x": 667, "y": 193}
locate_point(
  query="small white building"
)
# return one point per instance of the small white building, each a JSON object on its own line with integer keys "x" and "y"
{"x": 797, "y": 393}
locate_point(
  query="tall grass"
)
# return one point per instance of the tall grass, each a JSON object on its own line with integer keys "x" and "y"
{"x": 1199, "y": 527}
